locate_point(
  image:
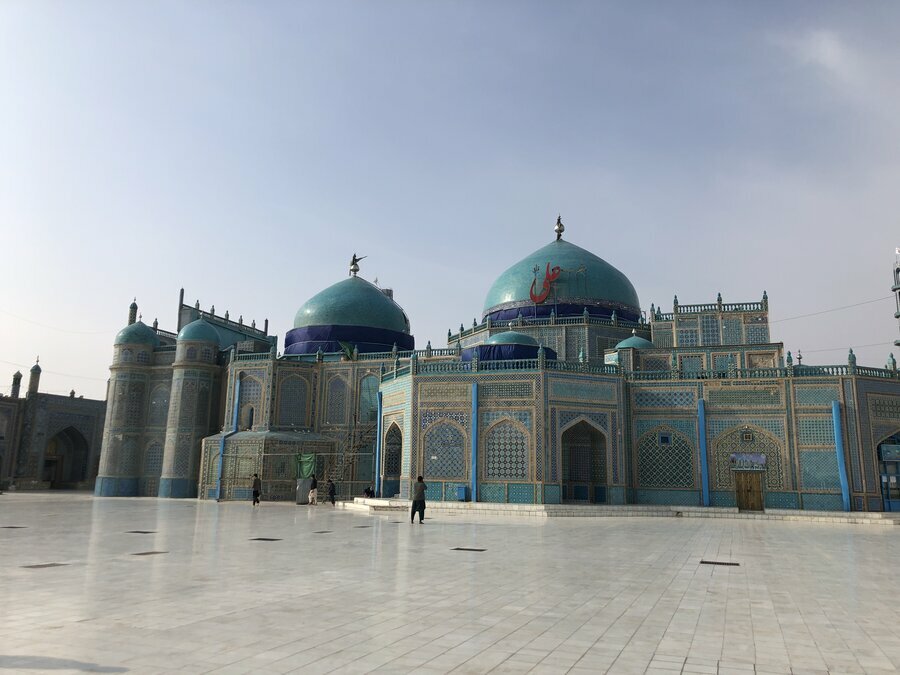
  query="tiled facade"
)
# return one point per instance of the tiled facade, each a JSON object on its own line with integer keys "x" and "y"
{"x": 668, "y": 422}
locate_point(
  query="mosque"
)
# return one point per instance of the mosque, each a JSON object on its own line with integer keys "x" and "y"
{"x": 564, "y": 392}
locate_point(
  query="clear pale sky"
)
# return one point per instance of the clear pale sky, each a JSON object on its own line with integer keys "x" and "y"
{"x": 245, "y": 150}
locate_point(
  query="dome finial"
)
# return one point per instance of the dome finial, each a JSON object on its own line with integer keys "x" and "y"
{"x": 560, "y": 228}
{"x": 354, "y": 264}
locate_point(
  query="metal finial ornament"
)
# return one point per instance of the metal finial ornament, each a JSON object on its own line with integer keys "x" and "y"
{"x": 354, "y": 264}
{"x": 560, "y": 228}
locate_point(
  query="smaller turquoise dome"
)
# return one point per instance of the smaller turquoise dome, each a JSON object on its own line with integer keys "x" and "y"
{"x": 352, "y": 302}
{"x": 200, "y": 330}
{"x": 635, "y": 342}
{"x": 137, "y": 333}
{"x": 511, "y": 337}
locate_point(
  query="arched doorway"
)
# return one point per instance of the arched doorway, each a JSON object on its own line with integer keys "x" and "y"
{"x": 583, "y": 464}
{"x": 393, "y": 453}
{"x": 889, "y": 472}
{"x": 65, "y": 460}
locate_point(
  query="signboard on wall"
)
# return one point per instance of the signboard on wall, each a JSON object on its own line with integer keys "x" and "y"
{"x": 748, "y": 461}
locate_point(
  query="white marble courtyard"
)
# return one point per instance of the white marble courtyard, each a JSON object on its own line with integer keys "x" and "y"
{"x": 153, "y": 586}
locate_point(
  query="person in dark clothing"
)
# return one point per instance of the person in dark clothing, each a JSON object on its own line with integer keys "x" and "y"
{"x": 369, "y": 492}
{"x": 257, "y": 489}
{"x": 332, "y": 490}
{"x": 418, "y": 501}
{"x": 313, "y": 490}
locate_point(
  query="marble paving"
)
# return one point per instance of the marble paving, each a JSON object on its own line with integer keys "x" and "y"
{"x": 164, "y": 586}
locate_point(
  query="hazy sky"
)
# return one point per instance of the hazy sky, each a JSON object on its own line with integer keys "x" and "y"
{"x": 244, "y": 151}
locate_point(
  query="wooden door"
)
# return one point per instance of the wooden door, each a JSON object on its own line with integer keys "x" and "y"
{"x": 748, "y": 486}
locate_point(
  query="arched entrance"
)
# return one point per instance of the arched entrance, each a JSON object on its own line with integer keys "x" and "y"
{"x": 583, "y": 464}
{"x": 393, "y": 452}
{"x": 65, "y": 460}
{"x": 889, "y": 472}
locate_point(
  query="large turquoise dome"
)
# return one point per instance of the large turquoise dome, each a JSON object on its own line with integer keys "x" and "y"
{"x": 563, "y": 278}
{"x": 350, "y": 313}
{"x": 137, "y": 333}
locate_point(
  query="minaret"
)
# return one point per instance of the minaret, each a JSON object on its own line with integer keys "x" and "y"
{"x": 126, "y": 404}
{"x": 34, "y": 380}
{"x": 132, "y": 312}
{"x": 190, "y": 408}
{"x": 16, "y": 384}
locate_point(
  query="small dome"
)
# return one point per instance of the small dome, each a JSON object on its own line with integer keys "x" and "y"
{"x": 635, "y": 342}
{"x": 36, "y": 368}
{"x": 137, "y": 333}
{"x": 511, "y": 337}
{"x": 200, "y": 331}
{"x": 352, "y": 302}
{"x": 563, "y": 278}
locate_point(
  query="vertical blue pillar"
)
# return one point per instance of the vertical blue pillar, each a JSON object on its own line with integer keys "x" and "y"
{"x": 704, "y": 458}
{"x": 474, "y": 475}
{"x": 379, "y": 431}
{"x": 839, "y": 449}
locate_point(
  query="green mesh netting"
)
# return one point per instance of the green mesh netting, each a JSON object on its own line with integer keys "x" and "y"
{"x": 306, "y": 465}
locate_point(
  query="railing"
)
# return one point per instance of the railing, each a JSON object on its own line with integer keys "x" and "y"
{"x": 526, "y": 322}
{"x": 720, "y": 307}
{"x": 570, "y": 367}
{"x": 256, "y": 356}
{"x": 743, "y": 307}
{"x": 228, "y": 323}
{"x": 394, "y": 374}
{"x": 877, "y": 372}
{"x": 427, "y": 368}
{"x": 441, "y": 364}
{"x": 166, "y": 333}
{"x": 405, "y": 354}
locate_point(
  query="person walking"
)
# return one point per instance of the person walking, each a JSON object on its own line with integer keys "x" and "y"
{"x": 418, "y": 501}
{"x": 257, "y": 489}
{"x": 313, "y": 491}
{"x": 332, "y": 491}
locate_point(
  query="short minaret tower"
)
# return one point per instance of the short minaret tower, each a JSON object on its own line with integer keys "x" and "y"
{"x": 34, "y": 379}
{"x": 16, "y": 384}
{"x": 123, "y": 430}
{"x": 191, "y": 405}
{"x": 132, "y": 312}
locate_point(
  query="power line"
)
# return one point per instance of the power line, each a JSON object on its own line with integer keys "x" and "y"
{"x": 56, "y": 328}
{"x": 836, "y": 309}
{"x": 53, "y": 372}
{"x": 837, "y": 349}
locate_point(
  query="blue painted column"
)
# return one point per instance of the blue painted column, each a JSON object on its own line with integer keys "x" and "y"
{"x": 839, "y": 449}
{"x": 704, "y": 459}
{"x": 380, "y": 432}
{"x": 474, "y": 475}
{"x": 234, "y": 428}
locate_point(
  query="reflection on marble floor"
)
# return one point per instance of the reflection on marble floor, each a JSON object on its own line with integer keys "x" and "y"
{"x": 150, "y": 586}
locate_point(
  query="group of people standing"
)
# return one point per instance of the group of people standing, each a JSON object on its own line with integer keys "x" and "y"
{"x": 418, "y": 495}
{"x": 314, "y": 491}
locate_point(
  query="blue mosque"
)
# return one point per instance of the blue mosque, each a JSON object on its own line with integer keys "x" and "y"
{"x": 566, "y": 391}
